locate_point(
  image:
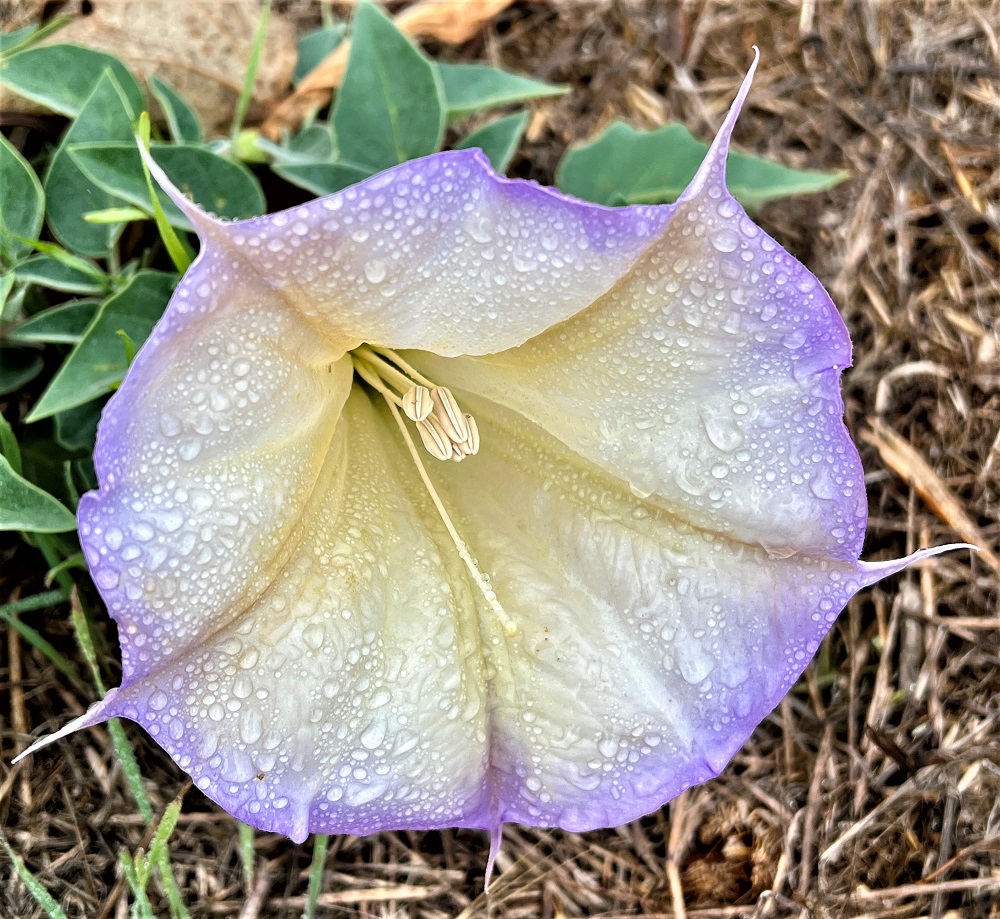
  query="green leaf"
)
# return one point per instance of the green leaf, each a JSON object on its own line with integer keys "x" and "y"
{"x": 27, "y": 508}
{"x": 63, "y": 77}
{"x": 6, "y": 286}
{"x": 9, "y": 446}
{"x": 76, "y": 428}
{"x": 218, "y": 185}
{"x": 390, "y": 107}
{"x": 98, "y": 363}
{"x": 107, "y": 115}
{"x": 316, "y": 45}
{"x": 59, "y": 325}
{"x": 313, "y": 144}
{"x": 23, "y": 201}
{"x": 755, "y": 181}
{"x": 56, "y": 274}
{"x": 321, "y": 178}
{"x": 182, "y": 120}
{"x": 470, "y": 88}
{"x": 624, "y": 165}
{"x": 499, "y": 139}
{"x": 18, "y": 367}
{"x": 19, "y": 39}
{"x": 10, "y": 42}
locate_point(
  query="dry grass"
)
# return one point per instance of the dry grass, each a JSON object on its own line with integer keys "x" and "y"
{"x": 874, "y": 790}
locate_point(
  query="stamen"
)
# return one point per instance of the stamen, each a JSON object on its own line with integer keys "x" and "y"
{"x": 417, "y": 403}
{"x": 383, "y": 368}
{"x": 373, "y": 380}
{"x": 435, "y": 439}
{"x": 445, "y": 430}
{"x": 470, "y": 446}
{"x": 450, "y": 416}
{"x": 398, "y": 360}
{"x": 482, "y": 582}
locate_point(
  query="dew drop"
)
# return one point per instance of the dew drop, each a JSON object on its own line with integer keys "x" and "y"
{"x": 375, "y": 270}
{"x": 726, "y": 240}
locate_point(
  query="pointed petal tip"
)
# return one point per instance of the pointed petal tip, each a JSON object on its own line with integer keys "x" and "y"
{"x": 712, "y": 171}
{"x": 298, "y": 828}
{"x": 97, "y": 713}
{"x": 200, "y": 220}
{"x": 873, "y": 572}
{"x": 496, "y": 839}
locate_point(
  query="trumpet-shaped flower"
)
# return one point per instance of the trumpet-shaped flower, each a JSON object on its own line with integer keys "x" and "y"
{"x": 448, "y": 500}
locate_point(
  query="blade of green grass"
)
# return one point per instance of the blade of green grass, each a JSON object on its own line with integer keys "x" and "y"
{"x": 141, "y": 907}
{"x": 74, "y": 561}
{"x": 159, "y": 855}
{"x": 64, "y": 257}
{"x": 246, "y": 853}
{"x": 252, "y": 66}
{"x": 320, "y": 843}
{"x": 123, "y": 749}
{"x": 115, "y": 215}
{"x": 130, "y": 767}
{"x": 42, "y": 897}
{"x": 9, "y": 613}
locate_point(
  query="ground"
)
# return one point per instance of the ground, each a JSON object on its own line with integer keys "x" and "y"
{"x": 873, "y": 790}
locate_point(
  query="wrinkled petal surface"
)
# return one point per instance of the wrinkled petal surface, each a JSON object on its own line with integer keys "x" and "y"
{"x": 346, "y": 693}
{"x": 666, "y": 501}
{"x": 648, "y": 649}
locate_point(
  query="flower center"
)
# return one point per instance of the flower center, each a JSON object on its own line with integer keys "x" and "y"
{"x": 446, "y": 431}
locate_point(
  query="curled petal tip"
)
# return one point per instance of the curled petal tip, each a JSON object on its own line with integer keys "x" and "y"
{"x": 873, "y": 572}
{"x": 200, "y": 220}
{"x": 496, "y": 839}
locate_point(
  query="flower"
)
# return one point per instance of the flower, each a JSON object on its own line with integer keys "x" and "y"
{"x": 654, "y": 515}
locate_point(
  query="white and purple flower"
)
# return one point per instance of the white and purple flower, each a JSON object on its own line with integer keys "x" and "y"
{"x": 658, "y": 515}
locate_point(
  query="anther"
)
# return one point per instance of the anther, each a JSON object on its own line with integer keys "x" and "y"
{"x": 470, "y": 446}
{"x": 417, "y": 403}
{"x": 450, "y": 416}
{"x": 435, "y": 440}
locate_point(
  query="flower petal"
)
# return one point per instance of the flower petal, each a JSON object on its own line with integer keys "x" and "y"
{"x": 347, "y": 693}
{"x": 708, "y": 378}
{"x": 207, "y": 456}
{"x": 439, "y": 253}
{"x": 647, "y": 649}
